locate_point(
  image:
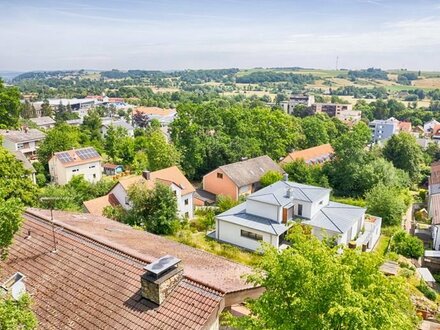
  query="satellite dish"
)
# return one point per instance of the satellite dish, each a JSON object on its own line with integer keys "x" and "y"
{"x": 18, "y": 290}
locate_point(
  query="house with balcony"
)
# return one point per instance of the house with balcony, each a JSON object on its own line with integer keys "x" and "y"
{"x": 267, "y": 214}
{"x": 25, "y": 140}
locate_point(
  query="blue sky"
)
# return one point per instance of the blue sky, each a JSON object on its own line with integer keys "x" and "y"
{"x": 165, "y": 34}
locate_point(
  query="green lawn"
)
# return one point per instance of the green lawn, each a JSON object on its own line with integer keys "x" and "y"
{"x": 200, "y": 241}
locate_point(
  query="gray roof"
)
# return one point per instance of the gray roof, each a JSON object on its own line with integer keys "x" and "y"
{"x": 26, "y": 163}
{"x": 250, "y": 171}
{"x": 238, "y": 215}
{"x": 276, "y": 193}
{"x": 41, "y": 121}
{"x": 119, "y": 123}
{"x": 23, "y": 136}
{"x": 336, "y": 217}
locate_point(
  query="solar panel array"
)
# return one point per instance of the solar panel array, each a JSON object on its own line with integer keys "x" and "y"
{"x": 64, "y": 157}
{"x": 87, "y": 153}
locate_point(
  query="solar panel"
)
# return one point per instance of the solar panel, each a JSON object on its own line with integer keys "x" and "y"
{"x": 161, "y": 265}
{"x": 64, "y": 157}
{"x": 87, "y": 153}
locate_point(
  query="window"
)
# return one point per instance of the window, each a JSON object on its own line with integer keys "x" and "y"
{"x": 75, "y": 170}
{"x": 186, "y": 201}
{"x": 219, "y": 175}
{"x": 251, "y": 235}
{"x": 94, "y": 176}
{"x": 92, "y": 166}
{"x": 300, "y": 209}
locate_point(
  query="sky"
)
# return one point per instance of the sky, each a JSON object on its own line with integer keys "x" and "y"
{"x": 202, "y": 34}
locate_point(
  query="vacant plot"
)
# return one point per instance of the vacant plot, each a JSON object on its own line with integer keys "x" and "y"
{"x": 427, "y": 83}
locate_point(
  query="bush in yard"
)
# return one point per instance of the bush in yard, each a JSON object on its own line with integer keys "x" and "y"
{"x": 407, "y": 245}
{"x": 154, "y": 209}
{"x": 389, "y": 203}
{"x": 225, "y": 203}
{"x": 427, "y": 291}
{"x": 270, "y": 177}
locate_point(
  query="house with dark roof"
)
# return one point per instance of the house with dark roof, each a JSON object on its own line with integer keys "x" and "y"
{"x": 102, "y": 274}
{"x": 64, "y": 165}
{"x": 268, "y": 213}
{"x": 240, "y": 178}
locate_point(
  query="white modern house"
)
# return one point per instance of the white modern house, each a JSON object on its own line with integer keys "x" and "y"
{"x": 268, "y": 213}
{"x": 64, "y": 165}
{"x": 26, "y": 141}
{"x": 171, "y": 176}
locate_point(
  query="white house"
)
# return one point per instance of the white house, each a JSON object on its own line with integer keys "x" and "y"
{"x": 64, "y": 165}
{"x": 268, "y": 213}
{"x": 45, "y": 122}
{"x": 171, "y": 176}
{"x": 26, "y": 141}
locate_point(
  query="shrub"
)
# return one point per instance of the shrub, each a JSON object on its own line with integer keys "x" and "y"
{"x": 427, "y": 291}
{"x": 407, "y": 245}
{"x": 225, "y": 203}
{"x": 270, "y": 177}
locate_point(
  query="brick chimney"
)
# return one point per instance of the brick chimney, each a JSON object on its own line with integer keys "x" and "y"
{"x": 161, "y": 278}
{"x": 146, "y": 175}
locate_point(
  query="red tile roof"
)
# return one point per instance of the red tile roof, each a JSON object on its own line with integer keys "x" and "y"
{"x": 96, "y": 206}
{"x": 75, "y": 158}
{"x": 171, "y": 175}
{"x": 405, "y": 126}
{"x": 89, "y": 285}
{"x": 322, "y": 152}
{"x": 199, "y": 265}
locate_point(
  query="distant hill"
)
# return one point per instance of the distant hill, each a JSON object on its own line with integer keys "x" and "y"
{"x": 9, "y": 75}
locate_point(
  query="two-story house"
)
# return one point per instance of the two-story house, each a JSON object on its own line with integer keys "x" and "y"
{"x": 240, "y": 178}
{"x": 268, "y": 213}
{"x": 64, "y": 165}
{"x": 26, "y": 141}
{"x": 171, "y": 176}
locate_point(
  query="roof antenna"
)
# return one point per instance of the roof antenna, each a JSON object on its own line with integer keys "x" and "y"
{"x": 51, "y": 202}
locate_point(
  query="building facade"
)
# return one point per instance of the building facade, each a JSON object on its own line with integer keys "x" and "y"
{"x": 26, "y": 141}
{"x": 240, "y": 178}
{"x": 267, "y": 214}
{"x": 382, "y": 130}
{"x": 294, "y": 100}
{"x": 63, "y": 166}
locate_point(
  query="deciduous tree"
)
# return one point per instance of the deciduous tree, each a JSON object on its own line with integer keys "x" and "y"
{"x": 312, "y": 286}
